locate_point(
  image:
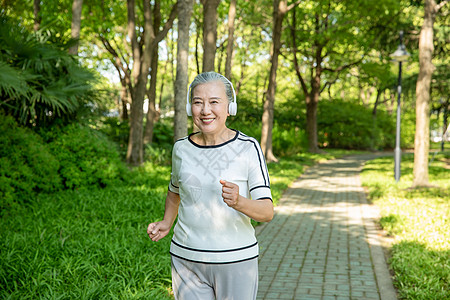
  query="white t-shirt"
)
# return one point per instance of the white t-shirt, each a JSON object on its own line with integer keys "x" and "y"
{"x": 208, "y": 230}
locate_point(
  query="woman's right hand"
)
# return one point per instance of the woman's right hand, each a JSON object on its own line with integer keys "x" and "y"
{"x": 158, "y": 230}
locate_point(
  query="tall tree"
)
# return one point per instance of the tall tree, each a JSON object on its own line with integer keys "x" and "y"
{"x": 280, "y": 9}
{"x": 328, "y": 43}
{"x": 181, "y": 81}
{"x": 152, "y": 114}
{"x": 77, "y": 7}
{"x": 142, "y": 50}
{"x": 422, "y": 136}
{"x": 231, "y": 20}
{"x": 209, "y": 33}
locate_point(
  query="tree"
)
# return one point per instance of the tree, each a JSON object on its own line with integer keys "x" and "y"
{"x": 37, "y": 17}
{"x": 209, "y": 33}
{"x": 280, "y": 9}
{"x": 76, "y": 25}
{"x": 181, "y": 81}
{"x": 142, "y": 49}
{"x": 152, "y": 114}
{"x": 231, "y": 19}
{"x": 422, "y": 136}
{"x": 333, "y": 37}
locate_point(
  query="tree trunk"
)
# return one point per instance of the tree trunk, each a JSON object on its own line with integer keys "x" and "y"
{"x": 37, "y": 17}
{"x": 312, "y": 102}
{"x": 279, "y": 11}
{"x": 209, "y": 33}
{"x": 152, "y": 114}
{"x": 77, "y": 6}
{"x": 142, "y": 57}
{"x": 311, "y": 107}
{"x": 231, "y": 18}
{"x": 181, "y": 81}
{"x": 197, "y": 39}
{"x": 135, "y": 152}
{"x": 312, "y": 96}
{"x": 141, "y": 65}
{"x": 125, "y": 100}
{"x": 426, "y": 68}
{"x": 377, "y": 101}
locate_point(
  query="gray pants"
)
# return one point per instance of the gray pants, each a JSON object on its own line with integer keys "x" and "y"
{"x": 198, "y": 281}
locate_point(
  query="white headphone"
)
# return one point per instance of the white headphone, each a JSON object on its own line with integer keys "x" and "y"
{"x": 232, "y": 106}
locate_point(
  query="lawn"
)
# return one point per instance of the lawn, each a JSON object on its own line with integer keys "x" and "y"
{"x": 418, "y": 221}
{"x": 92, "y": 243}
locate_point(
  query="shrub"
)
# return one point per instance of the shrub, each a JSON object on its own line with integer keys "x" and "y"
{"x": 39, "y": 81}
{"x": 348, "y": 125}
{"x": 86, "y": 156}
{"x": 118, "y": 131}
{"x": 27, "y": 166}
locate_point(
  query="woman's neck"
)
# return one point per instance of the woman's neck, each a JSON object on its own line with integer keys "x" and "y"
{"x": 212, "y": 139}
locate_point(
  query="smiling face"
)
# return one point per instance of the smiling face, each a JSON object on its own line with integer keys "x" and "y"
{"x": 210, "y": 107}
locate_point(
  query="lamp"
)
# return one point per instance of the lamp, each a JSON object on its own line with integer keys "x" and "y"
{"x": 400, "y": 55}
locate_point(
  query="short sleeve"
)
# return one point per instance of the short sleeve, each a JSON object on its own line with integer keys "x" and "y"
{"x": 174, "y": 178}
{"x": 258, "y": 175}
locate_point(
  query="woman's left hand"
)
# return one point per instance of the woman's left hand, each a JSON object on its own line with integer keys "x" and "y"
{"x": 230, "y": 193}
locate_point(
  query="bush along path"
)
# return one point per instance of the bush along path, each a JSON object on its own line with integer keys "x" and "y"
{"x": 322, "y": 242}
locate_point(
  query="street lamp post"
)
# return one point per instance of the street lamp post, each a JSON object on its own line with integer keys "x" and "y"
{"x": 400, "y": 55}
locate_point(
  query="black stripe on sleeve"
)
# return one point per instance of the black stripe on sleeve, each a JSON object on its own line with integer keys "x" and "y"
{"x": 259, "y": 186}
{"x": 262, "y": 161}
{"x": 171, "y": 183}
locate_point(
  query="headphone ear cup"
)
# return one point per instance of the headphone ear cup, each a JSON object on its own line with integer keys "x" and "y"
{"x": 232, "y": 108}
{"x": 189, "y": 109}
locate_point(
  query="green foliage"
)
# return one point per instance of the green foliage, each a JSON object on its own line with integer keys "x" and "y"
{"x": 347, "y": 125}
{"x": 118, "y": 131}
{"x": 86, "y": 244}
{"x": 422, "y": 272}
{"x": 158, "y": 155}
{"x": 39, "y": 80}
{"x": 418, "y": 221}
{"x": 69, "y": 157}
{"x": 288, "y": 135}
{"x": 87, "y": 157}
{"x": 408, "y": 129}
{"x": 92, "y": 243}
{"x": 163, "y": 132}
{"x": 27, "y": 165}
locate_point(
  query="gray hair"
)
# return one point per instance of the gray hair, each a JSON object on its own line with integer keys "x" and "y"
{"x": 210, "y": 77}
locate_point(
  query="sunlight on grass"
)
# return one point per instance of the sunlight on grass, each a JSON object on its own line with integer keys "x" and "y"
{"x": 92, "y": 243}
{"x": 418, "y": 220}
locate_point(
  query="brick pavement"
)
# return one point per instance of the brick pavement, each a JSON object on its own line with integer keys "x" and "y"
{"x": 322, "y": 242}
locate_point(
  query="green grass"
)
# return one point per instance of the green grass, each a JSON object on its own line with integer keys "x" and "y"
{"x": 418, "y": 221}
{"x": 92, "y": 244}
{"x": 87, "y": 244}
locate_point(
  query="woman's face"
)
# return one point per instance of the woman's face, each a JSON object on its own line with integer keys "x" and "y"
{"x": 210, "y": 107}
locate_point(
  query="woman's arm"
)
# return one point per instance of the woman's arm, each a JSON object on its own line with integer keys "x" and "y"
{"x": 158, "y": 230}
{"x": 259, "y": 210}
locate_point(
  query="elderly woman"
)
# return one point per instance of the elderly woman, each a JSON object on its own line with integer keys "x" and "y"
{"x": 219, "y": 182}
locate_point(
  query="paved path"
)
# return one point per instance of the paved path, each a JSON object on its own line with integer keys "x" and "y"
{"x": 322, "y": 242}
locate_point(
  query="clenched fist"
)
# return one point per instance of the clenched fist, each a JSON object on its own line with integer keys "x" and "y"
{"x": 230, "y": 193}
